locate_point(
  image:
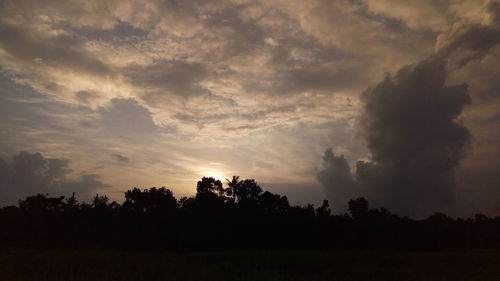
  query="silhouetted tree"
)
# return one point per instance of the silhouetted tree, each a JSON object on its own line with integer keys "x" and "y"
{"x": 247, "y": 190}
{"x": 41, "y": 203}
{"x": 153, "y": 200}
{"x": 209, "y": 185}
{"x": 243, "y": 216}
{"x": 100, "y": 202}
{"x": 273, "y": 202}
{"x": 358, "y": 208}
{"x": 232, "y": 185}
{"x": 70, "y": 205}
{"x": 324, "y": 209}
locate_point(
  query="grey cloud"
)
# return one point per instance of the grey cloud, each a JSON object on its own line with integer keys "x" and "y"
{"x": 202, "y": 117}
{"x": 121, "y": 30}
{"x": 86, "y": 124}
{"x": 128, "y": 120}
{"x": 414, "y": 139}
{"x": 84, "y": 187}
{"x": 492, "y": 13}
{"x": 186, "y": 117}
{"x": 299, "y": 193}
{"x": 317, "y": 79}
{"x": 239, "y": 36}
{"x": 416, "y": 14}
{"x": 95, "y": 13}
{"x": 409, "y": 121}
{"x": 120, "y": 158}
{"x": 478, "y": 176}
{"x": 477, "y": 39}
{"x": 303, "y": 64}
{"x": 297, "y": 62}
{"x": 174, "y": 77}
{"x": 413, "y": 110}
{"x": 222, "y": 100}
{"x": 62, "y": 50}
{"x": 410, "y": 124}
{"x": 260, "y": 114}
{"x": 300, "y": 62}
{"x": 85, "y": 96}
{"x": 241, "y": 128}
{"x": 31, "y": 173}
{"x": 336, "y": 178}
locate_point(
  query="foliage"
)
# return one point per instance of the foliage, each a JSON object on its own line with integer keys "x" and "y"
{"x": 241, "y": 216}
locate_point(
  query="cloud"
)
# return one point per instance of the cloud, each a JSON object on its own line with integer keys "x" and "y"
{"x": 414, "y": 139}
{"x": 31, "y": 173}
{"x": 169, "y": 77}
{"x": 61, "y": 50}
{"x": 316, "y": 76}
{"x": 477, "y": 39}
{"x": 279, "y": 79}
{"x": 417, "y": 14}
{"x": 337, "y": 180}
{"x": 178, "y": 59}
{"x": 240, "y": 35}
{"x": 120, "y": 158}
{"x": 85, "y": 186}
{"x": 410, "y": 123}
{"x": 126, "y": 119}
{"x": 478, "y": 174}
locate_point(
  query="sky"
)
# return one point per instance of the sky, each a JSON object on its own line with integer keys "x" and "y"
{"x": 396, "y": 101}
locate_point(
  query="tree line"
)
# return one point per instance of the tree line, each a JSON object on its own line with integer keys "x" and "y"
{"x": 239, "y": 216}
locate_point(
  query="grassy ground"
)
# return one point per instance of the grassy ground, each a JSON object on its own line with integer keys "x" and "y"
{"x": 101, "y": 265}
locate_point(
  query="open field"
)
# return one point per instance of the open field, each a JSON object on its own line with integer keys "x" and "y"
{"x": 107, "y": 265}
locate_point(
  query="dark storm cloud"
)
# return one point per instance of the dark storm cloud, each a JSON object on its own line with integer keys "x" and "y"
{"x": 414, "y": 139}
{"x": 31, "y": 173}
{"x": 336, "y": 178}
{"x": 60, "y": 50}
{"x": 410, "y": 124}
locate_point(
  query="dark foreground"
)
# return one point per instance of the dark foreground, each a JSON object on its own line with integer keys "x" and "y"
{"x": 106, "y": 265}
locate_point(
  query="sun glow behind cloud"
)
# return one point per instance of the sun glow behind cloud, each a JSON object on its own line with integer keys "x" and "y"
{"x": 215, "y": 175}
{"x": 215, "y": 170}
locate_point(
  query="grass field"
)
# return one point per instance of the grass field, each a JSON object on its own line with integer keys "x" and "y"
{"x": 103, "y": 265}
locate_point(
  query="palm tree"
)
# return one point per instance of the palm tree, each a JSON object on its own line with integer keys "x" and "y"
{"x": 233, "y": 186}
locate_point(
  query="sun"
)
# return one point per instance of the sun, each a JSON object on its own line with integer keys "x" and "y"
{"x": 214, "y": 170}
{"x": 215, "y": 175}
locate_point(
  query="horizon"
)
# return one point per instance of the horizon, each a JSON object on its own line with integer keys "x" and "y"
{"x": 228, "y": 197}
